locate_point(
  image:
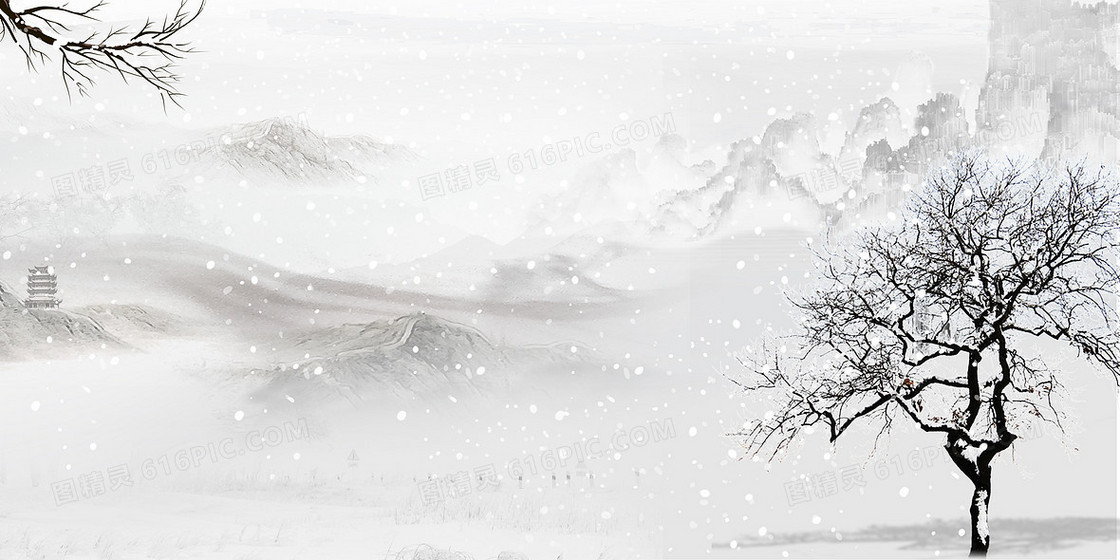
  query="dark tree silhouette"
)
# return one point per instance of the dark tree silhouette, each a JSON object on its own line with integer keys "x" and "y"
{"x": 147, "y": 53}
{"x": 934, "y": 321}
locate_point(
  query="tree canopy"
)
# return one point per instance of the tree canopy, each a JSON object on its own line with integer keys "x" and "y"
{"x": 931, "y": 320}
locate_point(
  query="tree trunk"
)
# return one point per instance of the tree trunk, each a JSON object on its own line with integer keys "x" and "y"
{"x": 979, "y": 512}
{"x": 977, "y": 466}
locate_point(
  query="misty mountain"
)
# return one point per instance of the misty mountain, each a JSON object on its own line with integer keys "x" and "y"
{"x": 287, "y": 149}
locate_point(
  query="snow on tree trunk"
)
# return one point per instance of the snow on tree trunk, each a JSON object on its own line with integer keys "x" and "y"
{"x": 979, "y": 512}
{"x": 976, "y": 463}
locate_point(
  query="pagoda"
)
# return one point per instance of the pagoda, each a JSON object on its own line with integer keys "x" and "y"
{"x": 42, "y": 288}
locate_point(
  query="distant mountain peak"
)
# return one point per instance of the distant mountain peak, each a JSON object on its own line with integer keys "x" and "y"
{"x": 290, "y": 149}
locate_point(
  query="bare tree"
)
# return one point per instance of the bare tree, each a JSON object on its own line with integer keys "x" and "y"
{"x": 934, "y": 321}
{"x": 147, "y": 53}
{"x": 16, "y": 211}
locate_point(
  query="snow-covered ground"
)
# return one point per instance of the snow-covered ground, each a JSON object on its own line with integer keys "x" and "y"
{"x": 222, "y": 465}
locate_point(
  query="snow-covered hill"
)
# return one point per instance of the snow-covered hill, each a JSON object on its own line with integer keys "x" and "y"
{"x": 44, "y": 333}
{"x": 128, "y": 321}
{"x": 413, "y": 356}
